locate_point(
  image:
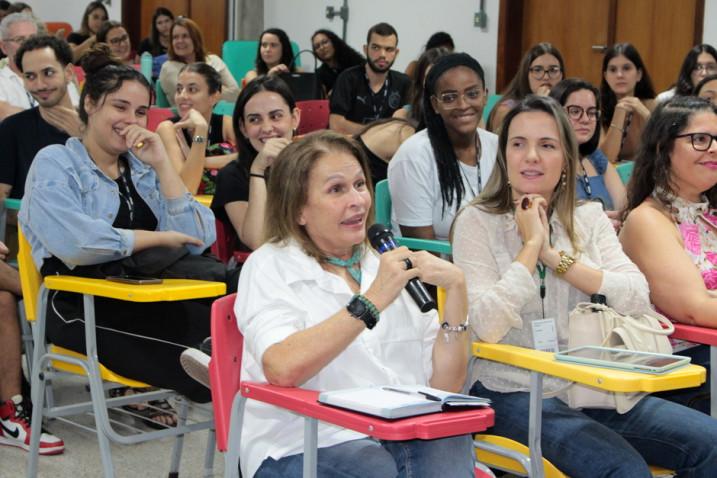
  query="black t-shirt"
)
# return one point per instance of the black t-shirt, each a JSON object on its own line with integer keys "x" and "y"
{"x": 77, "y": 38}
{"x": 327, "y": 76}
{"x": 147, "y": 45}
{"x": 378, "y": 167}
{"x": 22, "y": 135}
{"x": 232, "y": 185}
{"x": 353, "y": 99}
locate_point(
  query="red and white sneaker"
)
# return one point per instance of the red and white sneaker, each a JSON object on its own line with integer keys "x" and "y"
{"x": 15, "y": 417}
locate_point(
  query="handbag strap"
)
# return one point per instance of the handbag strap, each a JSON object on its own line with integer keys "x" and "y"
{"x": 293, "y": 60}
{"x": 666, "y": 326}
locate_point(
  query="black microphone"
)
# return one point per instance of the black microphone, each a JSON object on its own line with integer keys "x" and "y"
{"x": 381, "y": 239}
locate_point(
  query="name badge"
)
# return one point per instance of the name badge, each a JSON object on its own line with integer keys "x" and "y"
{"x": 545, "y": 335}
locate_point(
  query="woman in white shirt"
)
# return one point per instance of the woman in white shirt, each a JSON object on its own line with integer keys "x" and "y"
{"x": 442, "y": 168}
{"x": 531, "y": 253}
{"x": 307, "y": 304}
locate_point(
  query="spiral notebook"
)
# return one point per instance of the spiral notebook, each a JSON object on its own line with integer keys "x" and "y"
{"x": 399, "y": 401}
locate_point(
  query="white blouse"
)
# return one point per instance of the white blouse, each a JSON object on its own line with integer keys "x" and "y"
{"x": 504, "y": 297}
{"x": 283, "y": 291}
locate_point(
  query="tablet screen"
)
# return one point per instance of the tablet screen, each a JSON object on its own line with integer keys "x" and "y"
{"x": 624, "y": 357}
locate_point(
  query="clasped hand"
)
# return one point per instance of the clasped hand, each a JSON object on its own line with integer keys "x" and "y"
{"x": 532, "y": 219}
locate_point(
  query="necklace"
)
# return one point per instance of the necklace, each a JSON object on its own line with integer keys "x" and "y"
{"x": 352, "y": 265}
{"x": 465, "y": 176}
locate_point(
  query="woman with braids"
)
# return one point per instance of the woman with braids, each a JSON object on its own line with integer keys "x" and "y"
{"x": 440, "y": 169}
{"x": 335, "y": 55}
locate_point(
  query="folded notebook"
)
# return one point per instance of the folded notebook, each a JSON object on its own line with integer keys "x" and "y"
{"x": 399, "y": 401}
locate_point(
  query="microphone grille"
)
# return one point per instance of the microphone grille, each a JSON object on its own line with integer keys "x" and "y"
{"x": 376, "y": 232}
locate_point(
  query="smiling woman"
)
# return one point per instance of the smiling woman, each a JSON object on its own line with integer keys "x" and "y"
{"x": 442, "y": 168}
{"x": 114, "y": 193}
{"x": 116, "y": 36}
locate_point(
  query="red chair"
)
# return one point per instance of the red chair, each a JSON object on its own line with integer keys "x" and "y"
{"x": 223, "y": 247}
{"x": 314, "y": 115}
{"x": 53, "y": 27}
{"x": 79, "y": 74}
{"x": 229, "y": 396}
{"x": 704, "y": 336}
{"x": 156, "y": 116}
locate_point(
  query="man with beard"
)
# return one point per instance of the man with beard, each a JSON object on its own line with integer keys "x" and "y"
{"x": 365, "y": 93}
{"x": 46, "y": 66}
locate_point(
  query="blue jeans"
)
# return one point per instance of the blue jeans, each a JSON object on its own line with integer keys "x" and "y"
{"x": 446, "y": 457}
{"x": 599, "y": 443}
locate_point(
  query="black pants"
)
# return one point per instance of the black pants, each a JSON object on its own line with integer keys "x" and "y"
{"x": 141, "y": 341}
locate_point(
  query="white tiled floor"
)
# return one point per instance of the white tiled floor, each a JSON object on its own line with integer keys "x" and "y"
{"x": 81, "y": 457}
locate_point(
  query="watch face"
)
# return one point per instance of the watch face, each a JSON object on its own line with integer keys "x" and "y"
{"x": 357, "y": 308}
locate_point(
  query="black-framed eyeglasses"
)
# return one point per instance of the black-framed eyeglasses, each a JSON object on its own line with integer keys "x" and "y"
{"x": 118, "y": 40}
{"x": 449, "y": 99}
{"x": 700, "y": 141}
{"x": 539, "y": 72}
{"x": 576, "y": 112}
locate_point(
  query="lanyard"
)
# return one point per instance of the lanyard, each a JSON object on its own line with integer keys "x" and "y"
{"x": 377, "y": 108}
{"x": 541, "y": 274}
{"x": 126, "y": 195}
{"x": 586, "y": 182}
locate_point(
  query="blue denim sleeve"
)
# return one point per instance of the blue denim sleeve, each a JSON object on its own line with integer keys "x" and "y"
{"x": 56, "y": 224}
{"x": 184, "y": 214}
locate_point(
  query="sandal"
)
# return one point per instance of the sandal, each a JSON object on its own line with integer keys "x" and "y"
{"x": 157, "y": 414}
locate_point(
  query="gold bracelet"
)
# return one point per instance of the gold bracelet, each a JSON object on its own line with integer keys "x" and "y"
{"x": 613, "y": 125}
{"x": 565, "y": 263}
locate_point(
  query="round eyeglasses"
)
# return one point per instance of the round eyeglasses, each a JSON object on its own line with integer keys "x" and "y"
{"x": 538, "y": 72}
{"x": 576, "y": 112}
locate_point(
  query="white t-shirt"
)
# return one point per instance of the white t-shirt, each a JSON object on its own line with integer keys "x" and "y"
{"x": 416, "y": 198}
{"x": 665, "y": 95}
{"x": 283, "y": 291}
{"x": 12, "y": 90}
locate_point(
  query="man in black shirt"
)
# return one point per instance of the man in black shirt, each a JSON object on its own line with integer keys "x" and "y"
{"x": 46, "y": 71}
{"x": 363, "y": 94}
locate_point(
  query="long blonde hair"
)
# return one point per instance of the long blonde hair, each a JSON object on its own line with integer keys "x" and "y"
{"x": 497, "y": 196}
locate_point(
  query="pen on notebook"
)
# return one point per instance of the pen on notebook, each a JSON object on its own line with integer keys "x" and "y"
{"x": 427, "y": 396}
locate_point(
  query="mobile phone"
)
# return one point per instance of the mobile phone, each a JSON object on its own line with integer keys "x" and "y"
{"x": 136, "y": 280}
{"x": 623, "y": 359}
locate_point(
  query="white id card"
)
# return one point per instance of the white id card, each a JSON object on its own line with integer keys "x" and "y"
{"x": 545, "y": 335}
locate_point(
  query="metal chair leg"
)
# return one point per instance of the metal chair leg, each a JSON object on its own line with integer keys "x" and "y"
{"x": 179, "y": 440}
{"x": 209, "y": 454}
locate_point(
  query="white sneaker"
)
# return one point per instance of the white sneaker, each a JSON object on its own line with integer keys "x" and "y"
{"x": 196, "y": 364}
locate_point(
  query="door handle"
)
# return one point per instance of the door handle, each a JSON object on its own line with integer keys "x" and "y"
{"x": 599, "y": 48}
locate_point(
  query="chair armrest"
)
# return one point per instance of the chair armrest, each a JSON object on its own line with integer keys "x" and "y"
{"x": 695, "y": 333}
{"x": 431, "y": 245}
{"x": 602, "y": 378}
{"x": 204, "y": 199}
{"x": 168, "y": 290}
{"x": 434, "y": 425}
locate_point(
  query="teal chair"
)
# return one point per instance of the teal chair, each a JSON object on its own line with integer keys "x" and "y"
{"x": 239, "y": 56}
{"x": 625, "y": 170}
{"x": 224, "y": 108}
{"x": 383, "y": 216}
{"x": 161, "y": 100}
{"x": 492, "y": 100}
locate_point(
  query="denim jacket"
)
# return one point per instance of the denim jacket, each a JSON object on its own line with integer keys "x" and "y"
{"x": 70, "y": 205}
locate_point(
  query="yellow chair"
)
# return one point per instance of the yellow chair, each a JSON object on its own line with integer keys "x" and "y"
{"x": 514, "y": 457}
{"x": 47, "y": 363}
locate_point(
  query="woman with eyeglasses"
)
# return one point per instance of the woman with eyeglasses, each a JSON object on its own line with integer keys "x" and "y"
{"x": 700, "y": 61}
{"x": 335, "y": 55}
{"x": 114, "y": 34}
{"x": 627, "y": 98}
{"x": 443, "y": 167}
{"x": 671, "y": 227}
{"x": 597, "y": 179}
{"x": 541, "y": 68}
{"x": 530, "y": 253}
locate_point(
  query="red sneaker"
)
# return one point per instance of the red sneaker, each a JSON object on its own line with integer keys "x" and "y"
{"x": 15, "y": 428}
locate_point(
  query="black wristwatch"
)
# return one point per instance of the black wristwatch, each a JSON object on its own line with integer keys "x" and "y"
{"x": 361, "y": 308}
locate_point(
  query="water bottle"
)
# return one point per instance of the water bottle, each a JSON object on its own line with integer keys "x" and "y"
{"x": 145, "y": 65}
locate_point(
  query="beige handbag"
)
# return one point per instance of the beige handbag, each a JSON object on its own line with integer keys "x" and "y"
{"x": 598, "y": 324}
